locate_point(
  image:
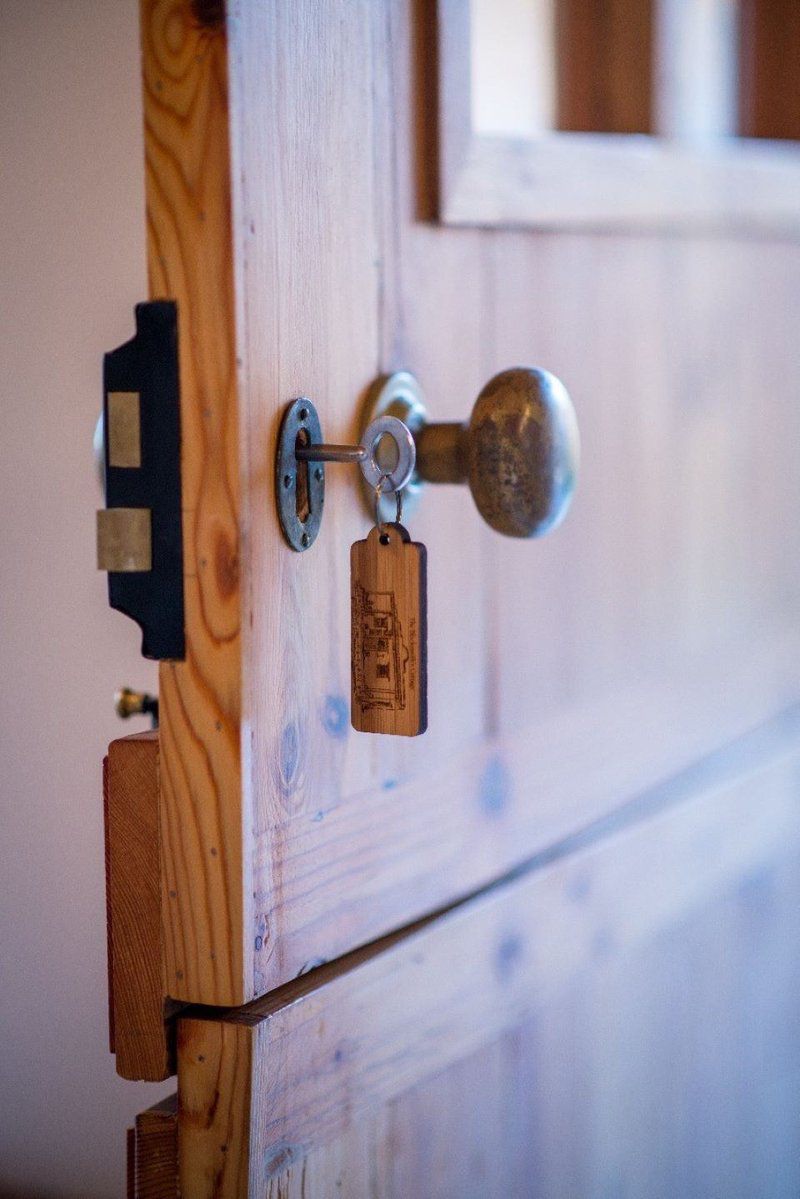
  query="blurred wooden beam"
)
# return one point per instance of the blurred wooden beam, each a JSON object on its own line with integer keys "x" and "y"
{"x": 769, "y": 93}
{"x": 139, "y": 1012}
{"x": 604, "y": 57}
{"x": 153, "y": 1152}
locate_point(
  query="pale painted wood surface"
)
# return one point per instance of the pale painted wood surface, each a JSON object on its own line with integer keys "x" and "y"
{"x": 622, "y": 1018}
{"x": 563, "y": 675}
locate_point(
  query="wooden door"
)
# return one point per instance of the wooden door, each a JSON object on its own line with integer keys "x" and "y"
{"x": 324, "y": 212}
{"x": 620, "y": 1021}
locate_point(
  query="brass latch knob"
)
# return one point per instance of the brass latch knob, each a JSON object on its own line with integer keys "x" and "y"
{"x": 128, "y": 702}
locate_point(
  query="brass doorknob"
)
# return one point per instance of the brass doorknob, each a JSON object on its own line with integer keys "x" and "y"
{"x": 128, "y": 702}
{"x": 519, "y": 451}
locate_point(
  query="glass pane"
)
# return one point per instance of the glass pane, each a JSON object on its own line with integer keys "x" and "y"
{"x": 513, "y": 67}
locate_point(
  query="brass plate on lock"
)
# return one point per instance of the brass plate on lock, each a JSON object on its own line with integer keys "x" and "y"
{"x": 124, "y": 539}
{"x": 124, "y": 429}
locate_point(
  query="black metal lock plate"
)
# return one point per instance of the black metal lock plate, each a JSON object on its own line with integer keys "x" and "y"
{"x": 142, "y": 444}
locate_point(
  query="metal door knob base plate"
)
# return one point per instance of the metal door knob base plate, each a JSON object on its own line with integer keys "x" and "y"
{"x": 300, "y": 460}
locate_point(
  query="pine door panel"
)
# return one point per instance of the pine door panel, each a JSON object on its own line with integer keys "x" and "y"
{"x": 621, "y": 1020}
{"x": 292, "y": 213}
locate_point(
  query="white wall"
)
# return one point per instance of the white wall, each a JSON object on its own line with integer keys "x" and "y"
{"x": 72, "y": 265}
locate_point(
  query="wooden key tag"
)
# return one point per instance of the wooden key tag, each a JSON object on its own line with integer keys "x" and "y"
{"x": 389, "y": 633}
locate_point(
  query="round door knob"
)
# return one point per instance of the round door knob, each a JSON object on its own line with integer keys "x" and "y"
{"x": 522, "y": 452}
{"x": 519, "y": 451}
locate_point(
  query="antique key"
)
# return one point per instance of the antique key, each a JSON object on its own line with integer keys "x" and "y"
{"x": 389, "y": 626}
{"x": 519, "y": 452}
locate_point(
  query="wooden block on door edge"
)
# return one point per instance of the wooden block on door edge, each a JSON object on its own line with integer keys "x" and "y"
{"x": 139, "y": 1012}
{"x": 153, "y": 1152}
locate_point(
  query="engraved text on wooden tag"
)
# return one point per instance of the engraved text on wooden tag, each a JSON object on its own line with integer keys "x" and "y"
{"x": 389, "y": 633}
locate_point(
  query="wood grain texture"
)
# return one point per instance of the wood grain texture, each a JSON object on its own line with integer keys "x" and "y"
{"x": 207, "y": 893}
{"x": 607, "y": 1089}
{"x": 605, "y": 65}
{"x": 769, "y": 100}
{"x": 153, "y": 1152}
{"x": 679, "y": 933}
{"x": 308, "y": 250}
{"x": 389, "y": 619}
{"x": 693, "y": 575}
{"x": 600, "y": 180}
{"x": 139, "y": 1010}
{"x": 109, "y": 910}
{"x": 130, "y": 1163}
{"x": 657, "y": 623}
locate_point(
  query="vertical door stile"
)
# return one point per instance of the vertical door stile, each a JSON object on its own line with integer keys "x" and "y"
{"x": 190, "y": 244}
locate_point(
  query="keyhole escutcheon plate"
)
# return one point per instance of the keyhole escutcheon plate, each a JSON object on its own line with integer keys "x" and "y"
{"x": 299, "y": 486}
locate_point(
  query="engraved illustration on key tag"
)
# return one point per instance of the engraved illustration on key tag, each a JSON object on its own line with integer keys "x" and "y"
{"x": 388, "y": 596}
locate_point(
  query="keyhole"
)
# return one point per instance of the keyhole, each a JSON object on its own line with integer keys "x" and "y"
{"x": 301, "y": 495}
{"x": 386, "y": 453}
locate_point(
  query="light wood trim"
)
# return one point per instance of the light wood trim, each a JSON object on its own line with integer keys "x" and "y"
{"x": 267, "y": 1082}
{"x": 139, "y": 1035}
{"x": 207, "y": 893}
{"x": 597, "y": 180}
{"x": 695, "y": 53}
{"x": 214, "y": 1145}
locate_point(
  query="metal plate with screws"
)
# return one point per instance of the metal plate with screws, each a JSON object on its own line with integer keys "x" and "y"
{"x": 299, "y": 486}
